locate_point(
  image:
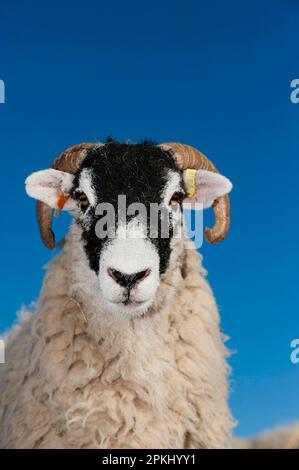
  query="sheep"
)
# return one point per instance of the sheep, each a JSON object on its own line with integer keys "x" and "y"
{"x": 123, "y": 348}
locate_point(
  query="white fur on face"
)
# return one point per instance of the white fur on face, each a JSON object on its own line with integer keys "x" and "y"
{"x": 129, "y": 255}
{"x": 86, "y": 186}
{"x": 173, "y": 184}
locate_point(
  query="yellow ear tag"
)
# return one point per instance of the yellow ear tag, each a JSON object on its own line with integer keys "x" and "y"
{"x": 190, "y": 177}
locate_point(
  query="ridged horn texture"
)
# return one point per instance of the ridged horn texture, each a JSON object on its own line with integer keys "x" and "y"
{"x": 68, "y": 161}
{"x": 188, "y": 157}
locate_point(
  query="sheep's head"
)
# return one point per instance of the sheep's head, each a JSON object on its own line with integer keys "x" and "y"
{"x": 127, "y": 200}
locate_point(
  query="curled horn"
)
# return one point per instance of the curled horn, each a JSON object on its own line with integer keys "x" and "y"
{"x": 188, "y": 157}
{"x": 68, "y": 161}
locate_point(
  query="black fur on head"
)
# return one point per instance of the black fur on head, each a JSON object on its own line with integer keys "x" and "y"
{"x": 138, "y": 171}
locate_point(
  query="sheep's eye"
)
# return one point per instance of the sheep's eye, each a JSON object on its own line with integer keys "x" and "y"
{"x": 177, "y": 198}
{"x": 82, "y": 198}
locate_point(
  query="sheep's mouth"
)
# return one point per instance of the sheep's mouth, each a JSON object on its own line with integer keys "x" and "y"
{"x": 128, "y": 302}
{"x": 130, "y": 307}
{"x": 133, "y": 302}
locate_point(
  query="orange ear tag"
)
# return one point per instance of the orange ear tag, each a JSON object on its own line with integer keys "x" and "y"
{"x": 60, "y": 204}
{"x": 61, "y": 201}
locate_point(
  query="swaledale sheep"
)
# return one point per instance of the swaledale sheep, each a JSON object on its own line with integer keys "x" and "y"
{"x": 124, "y": 348}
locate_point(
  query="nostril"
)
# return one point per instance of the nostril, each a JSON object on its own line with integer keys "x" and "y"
{"x": 116, "y": 275}
{"x": 128, "y": 280}
{"x": 140, "y": 276}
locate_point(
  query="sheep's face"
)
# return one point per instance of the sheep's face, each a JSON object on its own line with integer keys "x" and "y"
{"x": 127, "y": 201}
{"x": 129, "y": 208}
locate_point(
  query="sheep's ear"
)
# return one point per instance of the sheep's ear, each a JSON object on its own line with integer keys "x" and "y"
{"x": 51, "y": 187}
{"x": 205, "y": 186}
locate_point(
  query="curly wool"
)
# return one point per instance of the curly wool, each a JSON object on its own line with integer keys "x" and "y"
{"x": 76, "y": 377}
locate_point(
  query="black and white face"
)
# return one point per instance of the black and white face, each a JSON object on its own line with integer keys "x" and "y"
{"x": 129, "y": 261}
{"x": 128, "y": 249}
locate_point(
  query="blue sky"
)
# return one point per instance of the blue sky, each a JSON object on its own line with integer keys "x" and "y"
{"x": 215, "y": 75}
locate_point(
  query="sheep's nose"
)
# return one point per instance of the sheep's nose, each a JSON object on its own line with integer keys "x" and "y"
{"x": 128, "y": 280}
